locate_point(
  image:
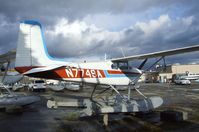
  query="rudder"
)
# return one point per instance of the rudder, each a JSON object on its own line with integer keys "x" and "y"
{"x": 31, "y": 48}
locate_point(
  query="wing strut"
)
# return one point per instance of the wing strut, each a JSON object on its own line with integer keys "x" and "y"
{"x": 5, "y": 73}
{"x": 164, "y": 63}
{"x": 155, "y": 63}
{"x": 3, "y": 78}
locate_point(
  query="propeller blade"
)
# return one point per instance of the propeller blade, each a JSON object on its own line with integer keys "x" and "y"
{"x": 142, "y": 64}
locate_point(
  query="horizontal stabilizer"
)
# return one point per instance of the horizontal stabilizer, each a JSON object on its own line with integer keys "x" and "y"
{"x": 42, "y": 69}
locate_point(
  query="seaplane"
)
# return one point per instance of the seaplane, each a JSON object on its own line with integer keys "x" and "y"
{"x": 190, "y": 76}
{"x": 33, "y": 60}
{"x": 8, "y": 99}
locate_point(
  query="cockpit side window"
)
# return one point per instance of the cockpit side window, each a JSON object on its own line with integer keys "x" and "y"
{"x": 123, "y": 65}
{"x": 120, "y": 65}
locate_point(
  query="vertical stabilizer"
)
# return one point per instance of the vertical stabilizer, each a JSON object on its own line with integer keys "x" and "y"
{"x": 31, "y": 48}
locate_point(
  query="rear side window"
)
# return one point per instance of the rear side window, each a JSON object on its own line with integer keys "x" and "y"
{"x": 114, "y": 66}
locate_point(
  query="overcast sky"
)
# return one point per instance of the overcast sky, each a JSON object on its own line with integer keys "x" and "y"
{"x": 80, "y": 29}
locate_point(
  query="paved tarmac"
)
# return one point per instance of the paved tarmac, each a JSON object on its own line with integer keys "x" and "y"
{"x": 38, "y": 118}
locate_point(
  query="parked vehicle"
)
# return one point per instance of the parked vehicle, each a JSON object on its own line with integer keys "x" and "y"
{"x": 182, "y": 81}
{"x": 37, "y": 86}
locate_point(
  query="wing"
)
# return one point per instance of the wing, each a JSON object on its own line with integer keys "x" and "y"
{"x": 159, "y": 54}
{"x": 7, "y": 57}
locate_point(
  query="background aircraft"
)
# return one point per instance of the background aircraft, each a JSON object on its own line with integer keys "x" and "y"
{"x": 190, "y": 76}
{"x": 8, "y": 98}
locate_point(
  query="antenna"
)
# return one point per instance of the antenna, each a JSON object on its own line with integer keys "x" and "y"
{"x": 122, "y": 52}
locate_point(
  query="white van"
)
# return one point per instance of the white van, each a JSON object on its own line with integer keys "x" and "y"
{"x": 38, "y": 85}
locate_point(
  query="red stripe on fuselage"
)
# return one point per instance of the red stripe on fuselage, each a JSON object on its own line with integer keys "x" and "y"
{"x": 25, "y": 68}
{"x": 63, "y": 72}
{"x": 84, "y": 73}
{"x": 58, "y": 73}
{"x": 114, "y": 72}
{"x": 69, "y": 73}
{"x": 120, "y": 72}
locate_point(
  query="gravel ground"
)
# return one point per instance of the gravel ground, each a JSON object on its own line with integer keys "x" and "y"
{"x": 38, "y": 118}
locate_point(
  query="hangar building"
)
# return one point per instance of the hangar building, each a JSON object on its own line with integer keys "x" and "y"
{"x": 165, "y": 74}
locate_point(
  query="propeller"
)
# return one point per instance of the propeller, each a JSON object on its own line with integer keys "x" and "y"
{"x": 142, "y": 64}
{"x": 2, "y": 68}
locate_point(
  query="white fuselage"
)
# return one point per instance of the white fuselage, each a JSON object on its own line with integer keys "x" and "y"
{"x": 92, "y": 72}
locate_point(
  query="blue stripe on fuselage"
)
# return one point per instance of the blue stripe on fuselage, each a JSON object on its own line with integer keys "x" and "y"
{"x": 118, "y": 75}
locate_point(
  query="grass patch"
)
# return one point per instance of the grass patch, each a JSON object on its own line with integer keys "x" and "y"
{"x": 72, "y": 116}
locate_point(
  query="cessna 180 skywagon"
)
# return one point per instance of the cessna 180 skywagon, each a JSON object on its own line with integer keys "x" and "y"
{"x": 32, "y": 59}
